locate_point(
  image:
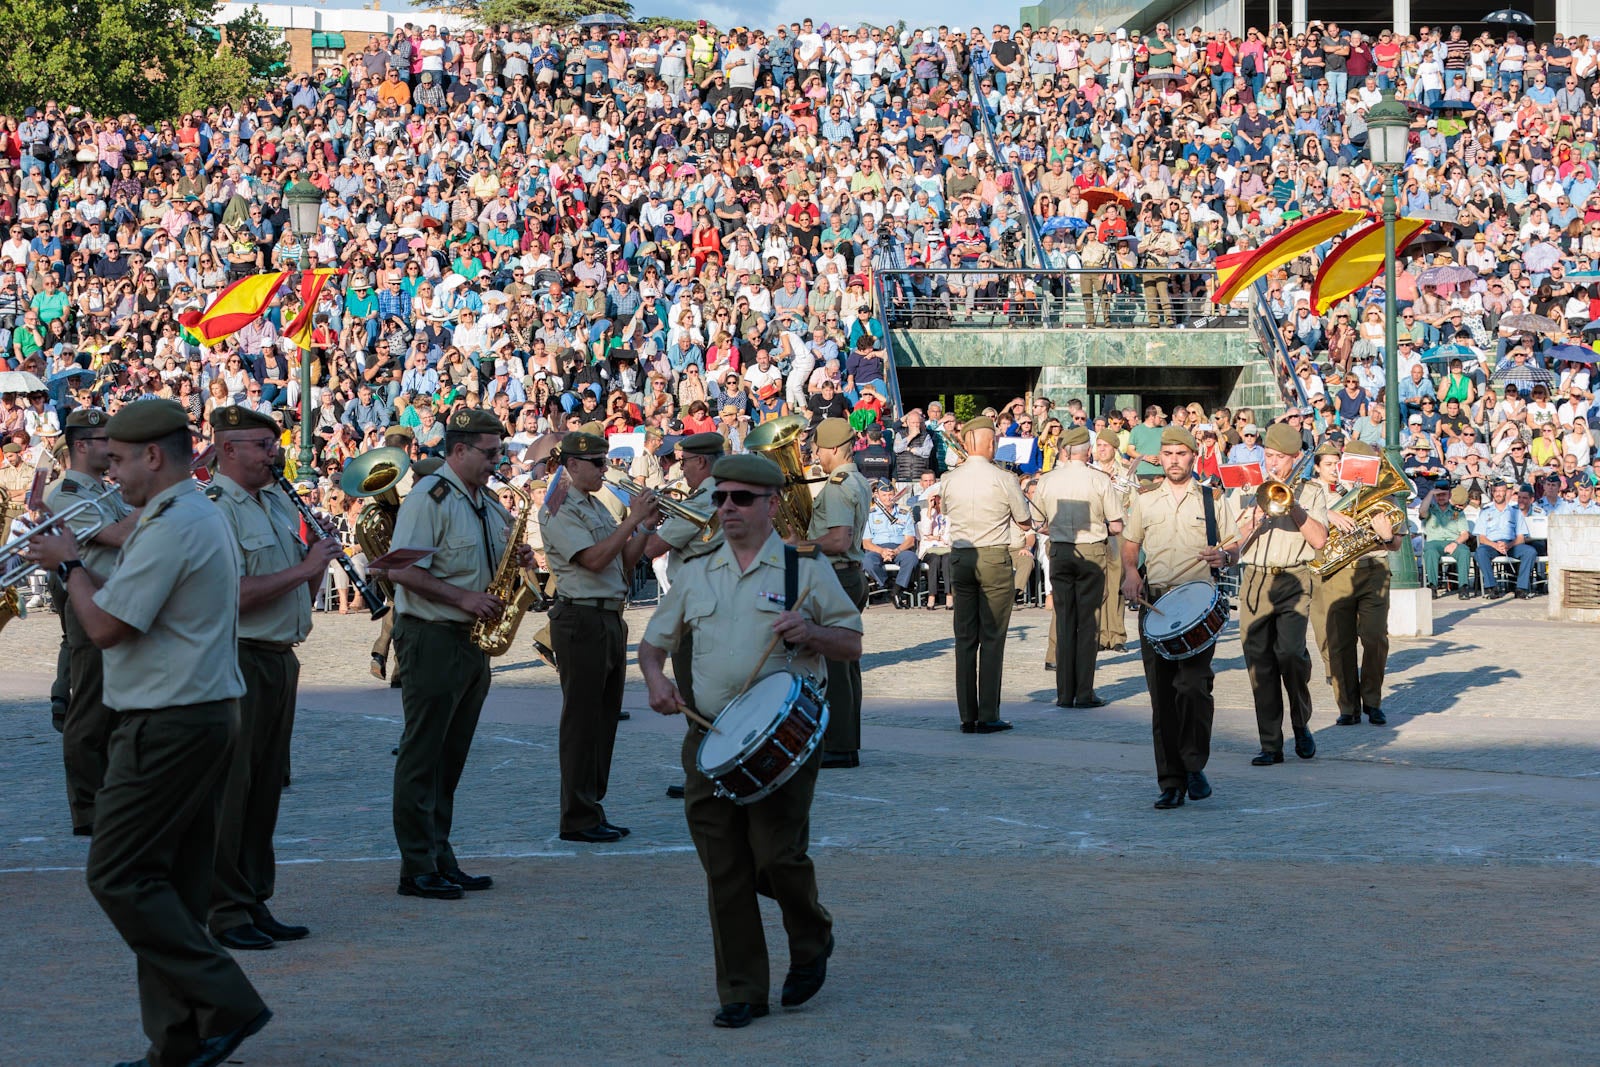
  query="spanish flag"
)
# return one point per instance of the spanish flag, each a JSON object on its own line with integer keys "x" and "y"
{"x": 1357, "y": 260}
{"x": 237, "y": 306}
{"x": 1237, "y": 270}
{"x": 311, "y": 283}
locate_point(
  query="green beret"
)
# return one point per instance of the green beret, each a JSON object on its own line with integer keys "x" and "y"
{"x": 1109, "y": 437}
{"x": 147, "y": 420}
{"x": 1359, "y": 448}
{"x": 835, "y": 433}
{"x": 980, "y": 422}
{"x": 238, "y": 418}
{"x": 704, "y": 444}
{"x": 593, "y": 429}
{"x": 425, "y": 466}
{"x": 579, "y": 443}
{"x": 1177, "y": 435}
{"x": 475, "y": 420}
{"x": 398, "y": 433}
{"x": 1075, "y": 437}
{"x": 653, "y": 431}
{"x": 750, "y": 469}
{"x": 87, "y": 418}
{"x": 1327, "y": 448}
{"x": 1281, "y": 437}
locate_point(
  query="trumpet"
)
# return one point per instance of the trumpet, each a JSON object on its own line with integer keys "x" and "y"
{"x": 628, "y": 488}
{"x": 1276, "y": 497}
{"x": 15, "y": 568}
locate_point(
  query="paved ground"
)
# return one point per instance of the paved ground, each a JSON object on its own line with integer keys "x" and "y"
{"x": 1422, "y": 892}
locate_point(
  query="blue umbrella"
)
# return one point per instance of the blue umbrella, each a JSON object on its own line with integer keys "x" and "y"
{"x": 1445, "y": 353}
{"x": 1592, "y": 327}
{"x": 1571, "y": 353}
{"x": 1062, "y": 222}
{"x": 1584, "y": 276}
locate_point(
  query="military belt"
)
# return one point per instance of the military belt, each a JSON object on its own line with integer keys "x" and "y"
{"x": 1290, "y": 569}
{"x": 265, "y": 646}
{"x": 602, "y": 603}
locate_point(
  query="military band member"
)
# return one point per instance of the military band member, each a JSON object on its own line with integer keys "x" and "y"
{"x": 838, "y": 523}
{"x": 396, "y": 436}
{"x": 1082, "y": 510}
{"x": 982, "y": 503}
{"x": 1356, "y": 602}
{"x": 1166, "y": 522}
{"x": 592, "y": 557}
{"x": 444, "y": 674}
{"x": 891, "y": 537}
{"x": 166, "y": 620}
{"x": 682, "y": 541}
{"x": 1113, "y": 618}
{"x": 1325, "y": 469}
{"x": 731, "y": 601}
{"x": 1275, "y": 600}
{"x": 86, "y": 728}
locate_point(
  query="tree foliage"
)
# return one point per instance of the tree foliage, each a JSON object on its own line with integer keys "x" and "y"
{"x": 149, "y": 57}
{"x": 528, "y": 13}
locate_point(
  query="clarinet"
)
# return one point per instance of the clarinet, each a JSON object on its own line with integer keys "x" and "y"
{"x": 368, "y": 590}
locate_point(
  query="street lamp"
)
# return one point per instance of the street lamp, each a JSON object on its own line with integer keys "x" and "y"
{"x": 1389, "y": 141}
{"x": 305, "y": 215}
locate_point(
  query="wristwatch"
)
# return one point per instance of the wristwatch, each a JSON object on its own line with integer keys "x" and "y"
{"x": 65, "y": 570}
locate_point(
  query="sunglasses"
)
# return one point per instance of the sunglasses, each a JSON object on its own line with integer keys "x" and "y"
{"x": 741, "y": 498}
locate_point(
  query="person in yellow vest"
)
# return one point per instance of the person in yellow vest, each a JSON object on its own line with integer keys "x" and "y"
{"x": 702, "y": 50}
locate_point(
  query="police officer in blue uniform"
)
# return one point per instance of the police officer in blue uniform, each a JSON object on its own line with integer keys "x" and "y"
{"x": 891, "y": 537}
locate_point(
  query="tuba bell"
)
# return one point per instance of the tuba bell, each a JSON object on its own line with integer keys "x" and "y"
{"x": 1361, "y": 505}
{"x": 779, "y": 441}
{"x": 376, "y": 476}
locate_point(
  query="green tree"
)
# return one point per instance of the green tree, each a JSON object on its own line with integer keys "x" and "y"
{"x": 527, "y": 13}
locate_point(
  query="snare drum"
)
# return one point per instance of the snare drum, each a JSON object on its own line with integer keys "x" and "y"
{"x": 1186, "y": 620}
{"x": 763, "y": 736}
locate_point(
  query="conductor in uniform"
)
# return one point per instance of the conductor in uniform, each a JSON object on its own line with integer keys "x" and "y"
{"x": 683, "y": 541}
{"x": 1275, "y": 601}
{"x": 86, "y": 730}
{"x": 592, "y": 557}
{"x": 891, "y": 537}
{"x": 276, "y": 582}
{"x": 838, "y": 523}
{"x": 1083, "y": 510}
{"x": 981, "y": 502}
{"x": 444, "y": 675}
{"x": 166, "y": 621}
{"x": 1167, "y": 522}
{"x": 730, "y": 602}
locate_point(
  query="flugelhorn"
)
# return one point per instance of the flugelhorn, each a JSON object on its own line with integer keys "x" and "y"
{"x": 630, "y": 488}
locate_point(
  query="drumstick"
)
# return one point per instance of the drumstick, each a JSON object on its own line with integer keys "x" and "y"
{"x": 698, "y": 719}
{"x": 771, "y": 646}
{"x": 1192, "y": 564}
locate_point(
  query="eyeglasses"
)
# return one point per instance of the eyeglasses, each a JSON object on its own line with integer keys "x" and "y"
{"x": 490, "y": 454}
{"x": 741, "y": 498}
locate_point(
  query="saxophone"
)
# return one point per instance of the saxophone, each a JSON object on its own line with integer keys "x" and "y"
{"x": 495, "y": 635}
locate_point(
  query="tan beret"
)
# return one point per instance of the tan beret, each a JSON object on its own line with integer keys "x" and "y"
{"x": 1459, "y": 496}
{"x": 1281, "y": 437}
{"x": 476, "y": 420}
{"x": 980, "y": 422}
{"x": 426, "y": 466}
{"x": 1328, "y": 448}
{"x": 147, "y": 420}
{"x": 1177, "y": 435}
{"x": 87, "y": 419}
{"x": 1109, "y": 437}
{"x": 749, "y": 469}
{"x": 579, "y": 443}
{"x": 239, "y": 418}
{"x": 398, "y": 433}
{"x": 1075, "y": 437}
{"x": 1359, "y": 448}
{"x": 704, "y": 444}
{"x": 835, "y": 433}
{"x": 10, "y": 448}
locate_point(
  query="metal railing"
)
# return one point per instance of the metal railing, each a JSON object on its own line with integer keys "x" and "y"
{"x": 1273, "y": 350}
{"x": 923, "y": 299}
{"x": 1019, "y": 193}
{"x": 891, "y": 376}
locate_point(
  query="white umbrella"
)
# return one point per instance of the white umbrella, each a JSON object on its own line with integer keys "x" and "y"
{"x": 495, "y": 296}
{"x": 451, "y": 281}
{"x": 20, "y": 381}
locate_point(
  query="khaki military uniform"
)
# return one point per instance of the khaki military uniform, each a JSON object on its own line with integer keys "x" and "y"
{"x": 1078, "y": 502}
{"x": 1171, "y": 532}
{"x": 845, "y": 500}
{"x": 1274, "y": 610}
{"x": 1159, "y": 253}
{"x": 444, "y": 676}
{"x": 1113, "y": 617}
{"x": 1096, "y": 255}
{"x": 760, "y": 847}
{"x": 176, "y": 686}
{"x": 982, "y": 503}
{"x": 646, "y": 468}
{"x": 591, "y": 646}
{"x": 266, "y": 524}
{"x": 86, "y": 726}
{"x": 689, "y": 542}
{"x": 15, "y": 480}
{"x": 1351, "y": 607}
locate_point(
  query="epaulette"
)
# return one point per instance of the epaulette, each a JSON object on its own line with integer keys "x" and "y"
{"x": 212, "y": 491}
{"x": 69, "y": 486}
{"x": 440, "y": 490}
{"x": 151, "y": 516}
{"x": 839, "y": 478}
{"x": 805, "y": 551}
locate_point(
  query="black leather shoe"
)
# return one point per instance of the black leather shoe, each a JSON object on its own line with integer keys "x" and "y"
{"x": 675, "y": 792}
{"x": 1376, "y": 717}
{"x": 993, "y": 727}
{"x": 1093, "y": 702}
{"x": 429, "y": 886}
{"x": 1495, "y": 593}
{"x": 1522, "y": 594}
{"x": 1051, "y": 667}
{"x": 624, "y": 716}
{"x": 1305, "y": 746}
{"x": 86, "y": 830}
{"x": 215, "y": 1050}
{"x": 1347, "y": 720}
{"x": 1266, "y": 759}
{"x": 841, "y": 759}
{"x": 1170, "y": 798}
{"x": 594, "y": 835}
{"x": 622, "y": 831}
{"x": 1199, "y": 788}
{"x": 969, "y": 727}
{"x": 264, "y": 921}
{"x": 245, "y": 938}
{"x": 470, "y": 883}
{"x": 802, "y": 983}
{"x": 380, "y": 667}
{"x": 734, "y": 1016}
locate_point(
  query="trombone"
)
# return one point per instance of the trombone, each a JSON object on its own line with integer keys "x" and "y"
{"x": 14, "y": 567}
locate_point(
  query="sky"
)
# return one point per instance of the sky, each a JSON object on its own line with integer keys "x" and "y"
{"x": 767, "y": 13}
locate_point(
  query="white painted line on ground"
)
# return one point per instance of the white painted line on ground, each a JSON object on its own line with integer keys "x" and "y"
{"x": 518, "y": 741}
{"x": 1286, "y": 807}
{"x": 852, "y": 796}
{"x": 1019, "y": 822}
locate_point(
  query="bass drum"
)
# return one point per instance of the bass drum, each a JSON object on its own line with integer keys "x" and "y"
{"x": 763, "y": 736}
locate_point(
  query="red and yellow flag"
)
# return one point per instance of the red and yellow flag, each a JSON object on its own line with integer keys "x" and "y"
{"x": 311, "y": 283}
{"x": 1357, "y": 260}
{"x": 234, "y": 308}
{"x": 1237, "y": 270}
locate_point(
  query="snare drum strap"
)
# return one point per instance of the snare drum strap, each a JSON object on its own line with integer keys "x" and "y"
{"x": 791, "y": 575}
{"x": 1210, "y": 505}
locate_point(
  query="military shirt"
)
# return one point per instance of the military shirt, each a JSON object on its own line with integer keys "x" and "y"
{"x": 176, "y": 582}
{"x": 1172, "y": 531}
{"x": 730, "y": 613}
{"x": 844, "y": 500}
{"x": 75, "y": 487}
{"x": 1444, "y": 524}
{"x": 646, "y": 469}
{"x": 468, "y": 535}
{"x": 1078, "y": 501}
{"x": 267, "y": 527}
{"x": 1280, "y": 544}
{"x": 982, "y": 501}
{"x": 688, "y": 541}
{"x": 582, "y": 522}
{"x": 888, "y": 531}
{"x": 15, "y": 480}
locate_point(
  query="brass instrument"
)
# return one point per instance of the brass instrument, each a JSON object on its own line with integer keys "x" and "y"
{"x": 955, "y": 447}
{"x": 1362, "y": 504}
{"x": 1276, "y": 497}
{"x": 10, "y": 599}
{"x": 779, "y": 440}
{"x": 510, "y": 584}
{"x": 706, "y": 521}
{"x": 14, "y": 567}
{"x": 376, "y": 475}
